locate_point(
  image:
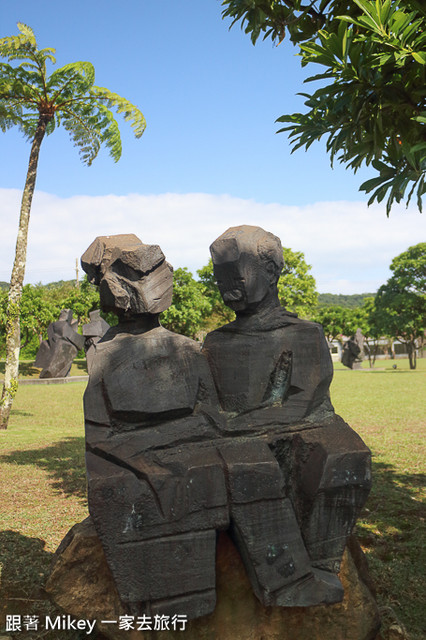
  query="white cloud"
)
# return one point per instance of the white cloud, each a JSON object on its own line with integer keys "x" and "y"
{"x": 349, "y": 245}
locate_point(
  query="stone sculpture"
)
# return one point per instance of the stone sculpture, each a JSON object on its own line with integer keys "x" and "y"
{"x": 272, "y": 372}
{"x": 177, "y": 450}
{"x": 56, "y": 354}
{"x": 156, "y": 487}
{"x": 354, "y": 350}
{"x": 93, "y": 332}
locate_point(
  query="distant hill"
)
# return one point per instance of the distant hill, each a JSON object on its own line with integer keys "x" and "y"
{"x": 59, "y": 284}
{"x": 51, "y": 285}
{"x": 343, "y": 300}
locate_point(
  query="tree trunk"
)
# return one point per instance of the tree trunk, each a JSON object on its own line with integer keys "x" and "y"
{"x": 10, "y": 385}
{"x": 411, "y": 348}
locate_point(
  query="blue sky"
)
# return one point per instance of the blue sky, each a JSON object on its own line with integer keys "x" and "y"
{"x": 209, "y": 158}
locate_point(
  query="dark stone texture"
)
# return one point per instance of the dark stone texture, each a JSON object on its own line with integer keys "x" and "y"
{"x": 178, "y": 450}
{"x": 354, "y": 350}
{"x": 157, "y": 490}
{"x": 272, "y": 373}
{"x": 56, "y": 354}
{"x": 93, "y": 332}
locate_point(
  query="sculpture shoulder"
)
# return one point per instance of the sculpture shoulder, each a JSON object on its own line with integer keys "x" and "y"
{"x": 280, "y": 324}
{"x": 158, "y": 341}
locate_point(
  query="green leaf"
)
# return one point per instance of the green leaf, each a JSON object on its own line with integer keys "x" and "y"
{"x": 419, "y": 56}
{"x": 371, "y": 184}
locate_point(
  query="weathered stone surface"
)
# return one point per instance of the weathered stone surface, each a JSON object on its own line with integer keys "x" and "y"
{"x": 82, "y": 585}
{"x": 156, "y": 487}
{"x": 93, "y": 332}
{"x": 272, "y": 372}
{"x": 178, "y": 451}
{"x": 354, "y": 350}
{"x": 56, "y": 354}
{"x": 132, "y": 276}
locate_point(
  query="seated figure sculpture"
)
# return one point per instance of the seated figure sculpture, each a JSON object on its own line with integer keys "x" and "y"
{"x": 272, "y": 373}
{"x": 169, "y": 463}
{"x": 150, "y": 405}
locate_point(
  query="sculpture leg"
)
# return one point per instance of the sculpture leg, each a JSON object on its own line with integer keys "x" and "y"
{"x": 162, "y": 555}
{"x": 267, "y": 534}
{"x": 331, "y": 479}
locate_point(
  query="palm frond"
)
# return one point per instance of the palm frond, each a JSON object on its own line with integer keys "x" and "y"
{"x": 110, "y": 132}
{"x": 9, "y": 118}
{"x": 68, "y": 97}
{"x": 71, "y": 80}
{"x": 27, "y": 32}
{"x": 15, "y": 47}
{"x": 84, "y": 133}
{"x": 130, "y": 112}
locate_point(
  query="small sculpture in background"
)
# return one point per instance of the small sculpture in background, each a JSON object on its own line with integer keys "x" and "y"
{"x": 354, "y": 350}
{"x": 56, "y": 354}
{"x": 93, "y": 332}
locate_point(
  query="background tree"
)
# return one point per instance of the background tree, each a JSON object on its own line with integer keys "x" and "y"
{"x": 36, "y": 103}
{"x": 190, "y": 307}
{"x": 37, "y": 312}
{"x": 296, "y": 286}
{"x": 336, "y": 321}
{"x": 220, "y": 313}
{"x": 371, "y": 103}
{"x": 401, "y": 302}
{"x": 82, "y": 300}
{"x": 343, "y": 299}
{"x": 367, "y": 319}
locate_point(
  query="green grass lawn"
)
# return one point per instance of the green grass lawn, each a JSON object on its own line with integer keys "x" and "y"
{"x": 43, "y": 491}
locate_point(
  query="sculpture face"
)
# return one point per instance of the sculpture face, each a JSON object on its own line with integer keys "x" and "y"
{"x": 244, "y": 283}
{"x": 247, "y": 262}
{"x": 133, "y": 278}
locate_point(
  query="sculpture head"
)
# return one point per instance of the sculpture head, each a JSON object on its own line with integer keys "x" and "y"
{"x": 65, "y": 316}
{"x": 133, "y": 278}
{"x": 247, "y": 262}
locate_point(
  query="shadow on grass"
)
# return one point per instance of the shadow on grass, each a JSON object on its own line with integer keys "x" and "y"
{"x": 81, "y": 365}
{"x": 63, "y": 461}
{"x": 26, "y": 369}
{"x": 20, "y": 412}
{"x": 25, "y": 566}
{"x": 25, "y": 569}
{"x": 392, "y": 531}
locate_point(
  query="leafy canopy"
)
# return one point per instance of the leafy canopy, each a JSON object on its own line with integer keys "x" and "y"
{"x": 67, "y": 97}
{"x": 296, "y": 286}
{"x": 371, "y": 103}
{"x": 335, "y": 320}
{"x": 401, "y": 302}
{"x": 190, "y": 307}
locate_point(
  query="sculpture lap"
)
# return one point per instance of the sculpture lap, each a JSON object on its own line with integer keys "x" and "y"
{"x": 156, "y": 498}
{"x": 325, "y": 464}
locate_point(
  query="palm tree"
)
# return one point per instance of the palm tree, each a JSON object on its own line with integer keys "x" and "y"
{"x": 37, "y": 103}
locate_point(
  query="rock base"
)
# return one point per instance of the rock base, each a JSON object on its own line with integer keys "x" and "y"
{"x": 82, "y": 586}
